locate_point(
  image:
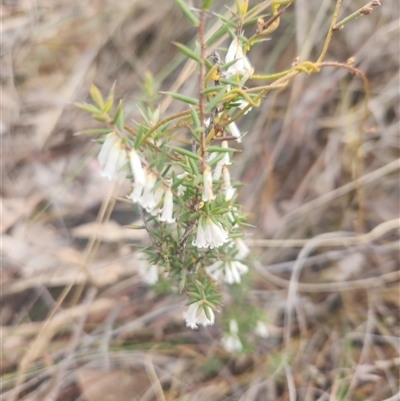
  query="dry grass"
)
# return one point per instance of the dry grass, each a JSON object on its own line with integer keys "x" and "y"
{"x": 77, "y": 323}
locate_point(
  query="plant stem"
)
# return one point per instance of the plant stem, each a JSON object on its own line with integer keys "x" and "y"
{"x": 330, "y": 32}
{"x": 200, "y": 32}
{"x": 362, "y": 11}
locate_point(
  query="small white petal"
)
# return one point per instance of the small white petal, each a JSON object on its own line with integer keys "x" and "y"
{"x": 242, "y": 104}
{"x": 241, "y": 267}
{"x": 115, "y": 161}
{"x": 215, "y": 270}
{"x": 229, "y": 190}
{"x": 200, "y": 240}
{"x": 190, "y": 316}
{"x": 242, "y": 248}
{"x": 218, "y": 170}
{"x": 233, "y": 128}
{"x": 120, "y": 170}
{"x": 218, "y": 234}
{"x": 231, "y": 274}
{"x": 193, "y": 318}
{"x": 157, "y": 196}
{"x": 147, "y": 198}
{"x": 226, "y": 159}
{"x": 233, "y": 326}
{"x": 242, "y": 65}
{"x": 204, "y": 320}
{"x": 139, "y": 176}
{"x": 262, "y": 329}
{"x": 210, "y": 234}
{"x": 207, "y": 182}
{"x": 248, "y": 67}
{"x": 148, "y": 272}
{"x": 234, "y": 51}
{"x": 136, "y": 193}
{"x": 232, "y": 343}
{"x": 111, "y": 138}
{"x": 167, "y": 207}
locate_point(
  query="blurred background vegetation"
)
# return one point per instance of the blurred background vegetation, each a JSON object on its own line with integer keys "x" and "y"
{"x": 77, "y": 322}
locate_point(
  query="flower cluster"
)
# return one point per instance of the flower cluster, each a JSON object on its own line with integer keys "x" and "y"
{"x": 209, "y": 234}
{"x": 196, "y": 193}
{"x": 230, "y": 271}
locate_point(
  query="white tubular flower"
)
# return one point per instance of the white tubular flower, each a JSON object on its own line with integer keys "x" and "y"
{"x": 168, "y": 207}
{"x": 231, "y": 271}
{"x": 209, "y": 234}
{"x": 229, "y": 190}
{"x": 242, "y": 65}
{"x": 111, "y": 138}
{"x": 218, "y": 170}
{"x": 207, "y": 181}
{"x": 242, "y": 104}
{"x": 215, "y": 270}
{"x": 149, "y": 273}
{"x": 262, "y": 329}
{"x": 215, "y": 234}
{"x": 112, "y": 158}
{"x": 226, "y": 159}
{"x": 139, "y": 176}
{"x": 200, "y": 240}
{"x": 181, "y": 188}
{"x": 231, "y": 341}
{"x": 242, "y": 248}
{"x": 233, "y": 326}
{"x": 157, "y": 196}
{"x": 234, "y": 130}
{"x": 193, "y": 317}
{"x": 147, "y": 198}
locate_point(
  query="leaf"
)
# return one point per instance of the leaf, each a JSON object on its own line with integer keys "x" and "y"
{"x": 227, "y": 22}
{"x": 185, "y": 152}
{"x": 193, "y": 165}
{"x": 207, "y": 312}
{"x": 188, "y": 52}
{"x": 110, "y": 100}
{"x": 195, "y": 117}
{"x": 182, "y": 98}
{"x": 206, "y": 5}
{"x": 101, "y": 117}
{"x": 187, "y": 12}
{"x": 195, "y": 133}
{"x": 215, "y": 100}
{"x": 220, "y": 149}
{"x": 195, "y": 295}
{"x": 96, "y": 96}
{"x": 89, "y": 108}
{"x": 229, "y": 82}
{"x": 118, "y": 117}
{"x": 213, "y": 89}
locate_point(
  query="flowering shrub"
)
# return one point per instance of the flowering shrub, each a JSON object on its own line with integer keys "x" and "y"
{"x": 185, "y": 194}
